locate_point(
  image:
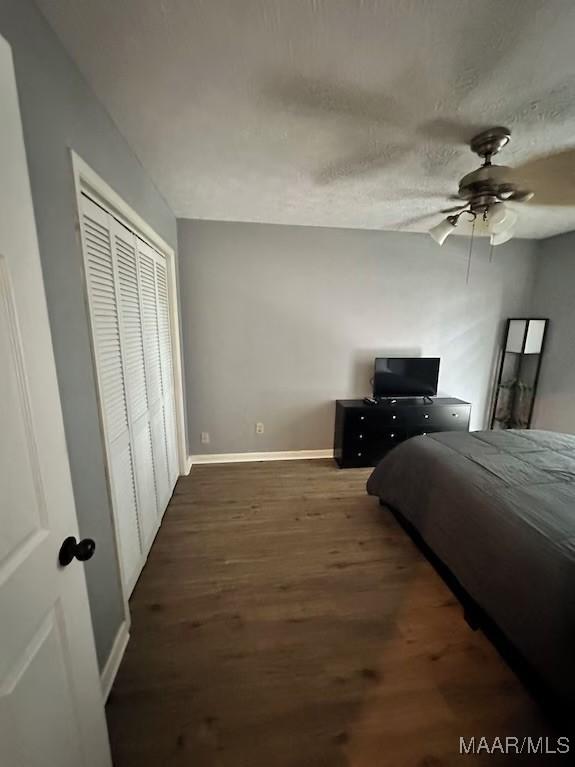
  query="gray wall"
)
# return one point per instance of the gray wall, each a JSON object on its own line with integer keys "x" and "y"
{"x": 554, "y": 297}
{"x": 58, "y": 112}
{"x": 280, "y": 321}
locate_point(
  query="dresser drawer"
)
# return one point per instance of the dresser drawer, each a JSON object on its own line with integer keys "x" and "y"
{"x": 363, "y": 446}
{"x": 421, "y": 431}
{"x": 440, "y": 418}
{"x": 372, "y": 433}
{"x": 375, "y": 419}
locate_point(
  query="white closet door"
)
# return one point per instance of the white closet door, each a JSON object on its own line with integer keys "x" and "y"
{"x": 100, "y": 275}
{"x": 167, "y": 369}
{"x": 133, "y": 355}
{"x": 152, "y": 342}
{"x": 130, "y": 313}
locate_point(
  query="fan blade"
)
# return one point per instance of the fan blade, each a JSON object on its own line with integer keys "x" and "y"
{"x": 551, "y": 177}
{"x": 453, "y": 210}
{"x": 449, "y": 131}
{"x": 520, "y": 195}
{"x": 423, "y": 194}
{"x": 316, "y": 95}
{"x": 416, "y": 220}
{"x": 362, "y": 163}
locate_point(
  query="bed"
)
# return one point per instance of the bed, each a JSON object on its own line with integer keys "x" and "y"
{"x": 498, "y": 510}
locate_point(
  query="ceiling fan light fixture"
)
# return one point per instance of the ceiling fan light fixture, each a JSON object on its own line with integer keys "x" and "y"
{"x": 489, "y": 195}
{"x": 440, "y": 232}
{"x": 496, "y": 215}
{"x": 500, "y": 218}
{"x": 498, "y": 238}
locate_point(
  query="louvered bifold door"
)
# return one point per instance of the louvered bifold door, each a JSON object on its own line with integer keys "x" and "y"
{"x": 106, "y": 334}
{"x": 124, "y": 242}
{"x": 153, "y": 353}
{"x": 166, "y": 357}
{"x": 130, "y": 314}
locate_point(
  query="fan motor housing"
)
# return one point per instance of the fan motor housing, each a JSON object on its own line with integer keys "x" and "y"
{"x": 486, "y": 185}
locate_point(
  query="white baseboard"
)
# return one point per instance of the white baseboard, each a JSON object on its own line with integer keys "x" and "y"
{"x": 189, "y": 461}
{"x": 282, "y": 455}
{"x": 114, "y": 659}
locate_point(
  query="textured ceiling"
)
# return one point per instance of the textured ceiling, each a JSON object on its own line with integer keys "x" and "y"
{"x": 328, "y": 112}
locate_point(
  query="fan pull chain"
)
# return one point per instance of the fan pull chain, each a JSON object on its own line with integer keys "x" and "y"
{"x": 491, "y": 253}
{"x": 470, "y": 251}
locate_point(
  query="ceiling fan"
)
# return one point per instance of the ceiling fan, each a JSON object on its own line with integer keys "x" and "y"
{"x": 490, "y": 192}
{"x": 486, "y": 191}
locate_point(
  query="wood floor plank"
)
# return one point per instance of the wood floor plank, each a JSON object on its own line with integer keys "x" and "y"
{"x": 284, "y": 619}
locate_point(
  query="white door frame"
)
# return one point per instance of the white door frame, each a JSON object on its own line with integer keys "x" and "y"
{"x": 87, "y": 181}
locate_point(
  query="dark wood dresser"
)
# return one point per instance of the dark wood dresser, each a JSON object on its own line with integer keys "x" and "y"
{"x": 365, "y": 433}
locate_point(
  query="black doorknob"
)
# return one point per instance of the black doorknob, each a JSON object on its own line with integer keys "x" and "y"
{"x": 80, "y": 550}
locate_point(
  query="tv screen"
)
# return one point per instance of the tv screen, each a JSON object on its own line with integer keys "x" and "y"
{"x": 405, "y": 376}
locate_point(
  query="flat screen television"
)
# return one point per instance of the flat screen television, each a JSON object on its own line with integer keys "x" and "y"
{"x": 405, "y": 376}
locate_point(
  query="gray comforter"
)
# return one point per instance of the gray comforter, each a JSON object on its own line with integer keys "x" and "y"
{"x": 498, "y": 508}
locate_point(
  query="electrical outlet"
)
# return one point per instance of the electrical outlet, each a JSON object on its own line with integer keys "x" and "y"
{"x": 205, "y": 437}
{"x": 259, "y": 427}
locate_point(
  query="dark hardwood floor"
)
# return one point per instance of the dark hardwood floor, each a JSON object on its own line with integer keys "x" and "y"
{"x": 284, "y": 619}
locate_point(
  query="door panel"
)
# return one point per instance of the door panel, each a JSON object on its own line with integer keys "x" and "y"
{"x": 37, "y": 695}
{"x": 159, "y": 364}
{"x": 160, "y": 458}
{"x": 105, "y": 320}
{"x": 126, "y": 511}
{"x": 150, "y": 323}
{"x": 167, "y": 368}
{"x": 51, "y": 706}
{"x": 133, "y": 342}
{"x": 114, "y": 367}
{"x": 146, "y": 485}
{"x": 24, "y": 515}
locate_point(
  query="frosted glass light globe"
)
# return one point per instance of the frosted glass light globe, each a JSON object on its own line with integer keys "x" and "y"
{"x": 441, "y": 231}
{"x": 500, "y": 218}
{"x": 500, "y": 237}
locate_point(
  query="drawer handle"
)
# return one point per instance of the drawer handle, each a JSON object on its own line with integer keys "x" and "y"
{"x": 392, "y": 435}
{"x": 394, "y": 417}
{"x": 426, "y": 415}
{"x": 362, "y": 418}
{"x": 360, "y": 436}
{"x": 455, "y": 415}
{"x": 424, "y": 434}
{"x": 359, "y": 455}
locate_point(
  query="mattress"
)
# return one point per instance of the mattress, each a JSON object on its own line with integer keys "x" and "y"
{"x": 498, "y": 508}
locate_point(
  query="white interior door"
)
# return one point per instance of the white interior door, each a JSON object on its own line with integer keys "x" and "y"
{"x": 51, "y": 707}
